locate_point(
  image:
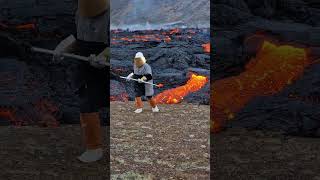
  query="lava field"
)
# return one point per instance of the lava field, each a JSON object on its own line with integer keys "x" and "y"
{"x": 180, "y": 60}
{"x": 34, "y": 90}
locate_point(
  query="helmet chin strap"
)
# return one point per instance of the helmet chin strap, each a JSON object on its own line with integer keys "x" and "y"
{"x": 140, "y": 65}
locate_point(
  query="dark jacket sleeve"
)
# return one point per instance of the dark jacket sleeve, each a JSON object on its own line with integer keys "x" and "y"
{"x": 148, "y": 76}
{"x": 136, "y": 76}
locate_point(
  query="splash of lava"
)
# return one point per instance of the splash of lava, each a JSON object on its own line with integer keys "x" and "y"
{"x": 176, "y": 95}
{"x": 271, "y": 71}
{"x": 206, "y": 47}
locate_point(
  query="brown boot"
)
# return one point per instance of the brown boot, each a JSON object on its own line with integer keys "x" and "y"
{"x": 90, "y": 123}
{"x": 139, "y": 105}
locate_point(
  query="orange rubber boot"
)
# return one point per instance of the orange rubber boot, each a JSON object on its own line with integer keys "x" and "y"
{"x": 152, "y": 103}
{"x": 139, "y": 105}
{"x": 90, "y": 123}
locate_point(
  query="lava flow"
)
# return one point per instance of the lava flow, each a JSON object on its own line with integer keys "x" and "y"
{"x": 42, "y": 113}
{"x": 174, "y": 31}
{"x": 7, "y": 114}
{"x": 27, "y": 26}
{"x": 152, "y": 36}
{"x": 121, "y": 97}
{"x": 272, "y": 70}
{"x": 176, "y": 95}
{"x": 206, "y": 47}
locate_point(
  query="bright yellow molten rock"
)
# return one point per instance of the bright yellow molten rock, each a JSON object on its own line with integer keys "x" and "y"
{"x": 269, "y": 72}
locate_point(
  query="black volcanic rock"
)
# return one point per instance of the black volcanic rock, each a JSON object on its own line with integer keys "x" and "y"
{"x": 228, "y": 16}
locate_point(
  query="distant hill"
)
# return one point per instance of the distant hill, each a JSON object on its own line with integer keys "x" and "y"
{"x": 155, "y": 14}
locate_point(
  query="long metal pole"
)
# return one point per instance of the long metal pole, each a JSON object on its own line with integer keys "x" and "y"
{"x": 68, "y": 55}
{"x": 157, "y": 85}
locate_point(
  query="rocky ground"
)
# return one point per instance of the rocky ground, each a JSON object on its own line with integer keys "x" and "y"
{"x": 172, "y": 144}
{"x": 29, "y": 153}
{"x": 264, "y": 155}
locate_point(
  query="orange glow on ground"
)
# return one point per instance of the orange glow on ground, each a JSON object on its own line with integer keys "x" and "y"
{"x": 174, "y": 31}
{"x": 7, "y": 114}
{"x": 158, "y": 37}
{"x": 121, "y": 97}
{"x": 206, "y": 47}
{"x": 30, "y": 26}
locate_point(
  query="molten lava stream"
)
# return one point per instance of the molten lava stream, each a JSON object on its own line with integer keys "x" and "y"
{"x": 206, "y": 47}
{"x": 174, "y": 31}
{"x": 273, "y": 69}
{"x": 7, "y": 114}
{"x": 176, "y": 95}
{"x": 167, "y": 39}
{"x": 122, "y": 97}
{"x": 30, "y": 26}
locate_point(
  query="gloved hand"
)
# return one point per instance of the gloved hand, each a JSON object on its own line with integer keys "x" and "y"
{"x": 97, "y": 61}
{"x": 57, "y": 56}
{"x": 129, "y": 77}
{"x": 141, "y": 80}
{"x": 64, "y": 46}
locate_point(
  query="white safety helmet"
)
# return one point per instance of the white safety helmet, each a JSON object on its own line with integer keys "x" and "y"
{"x": 141, "y": 56}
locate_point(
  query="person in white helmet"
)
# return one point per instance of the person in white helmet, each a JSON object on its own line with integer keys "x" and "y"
{"x": 143, "y": 72}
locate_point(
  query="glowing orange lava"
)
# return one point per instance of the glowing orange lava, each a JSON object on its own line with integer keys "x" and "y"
{"x": 155, "y": 36}
{"x": 167, "y": 39}
{"x": 176, "y": 95}
{"x": 271, "y": 71}
{"x": 174, "y": 31}
{"x": 45, "y": 115}
{"x": 30, "y": 26}
{"x": 7, "y": 114}
{"x": 143, "y": 38}
{"x": 140, "y": 38}
{"x": 206, "y": 47}
{"x": 121, "y": 97}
